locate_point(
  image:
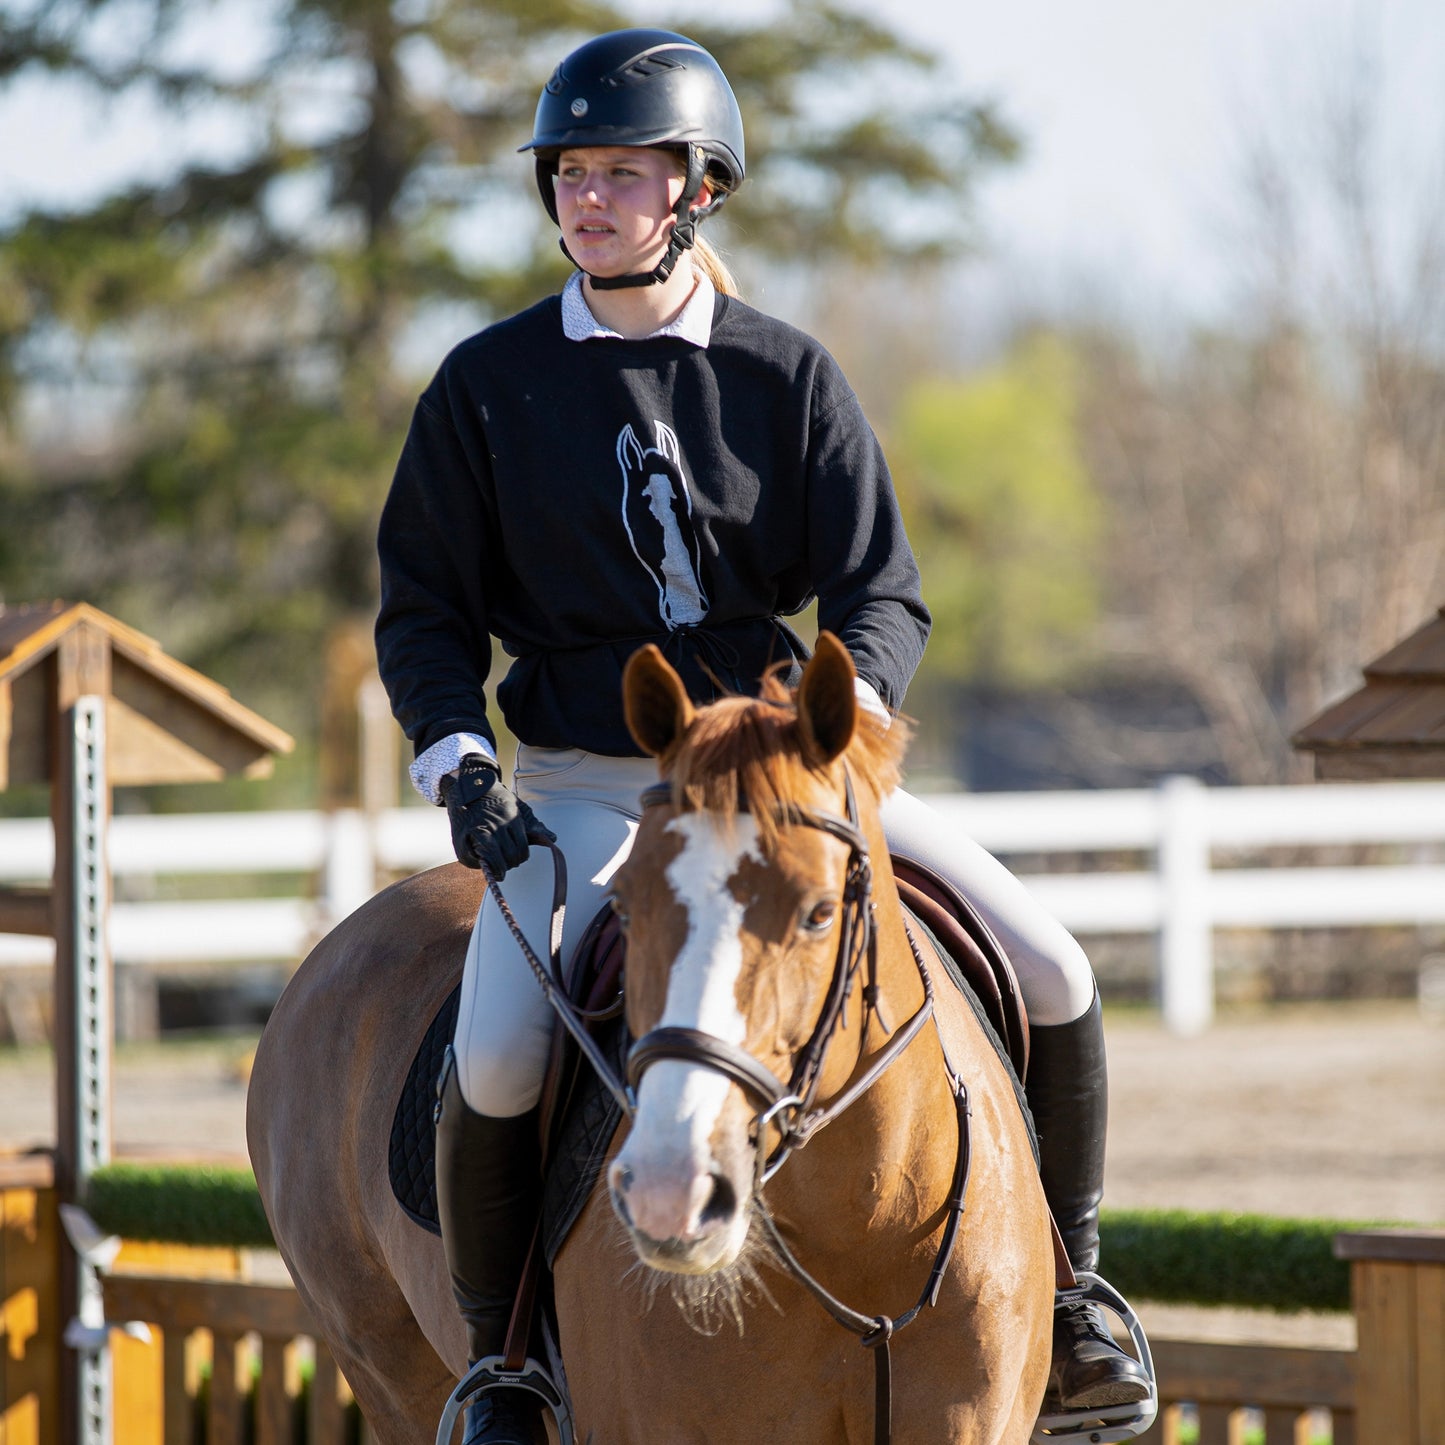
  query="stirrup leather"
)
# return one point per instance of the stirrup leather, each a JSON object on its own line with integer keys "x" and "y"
{"x": 492, "y": 1374}
{"x": 1103, "y": 1424}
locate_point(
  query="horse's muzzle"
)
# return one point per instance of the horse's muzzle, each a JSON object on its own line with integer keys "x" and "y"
{"x": 680, "y": 1226}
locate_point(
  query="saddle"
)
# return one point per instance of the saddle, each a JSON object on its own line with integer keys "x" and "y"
{"x": 579, "y": 1117}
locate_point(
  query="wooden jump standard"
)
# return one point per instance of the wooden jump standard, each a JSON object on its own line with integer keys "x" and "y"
{"x": 87, "y": 703}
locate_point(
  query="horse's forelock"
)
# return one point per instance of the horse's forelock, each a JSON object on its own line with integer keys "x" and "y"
{"x": 744, "y": 751}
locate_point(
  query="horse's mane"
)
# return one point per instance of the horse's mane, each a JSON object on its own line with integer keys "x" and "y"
{"x": 746, "y": 754}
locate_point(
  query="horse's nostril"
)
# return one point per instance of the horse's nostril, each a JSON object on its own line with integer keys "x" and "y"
{"x": 722, "y": 1203}
{"x": 620, "y": 1180}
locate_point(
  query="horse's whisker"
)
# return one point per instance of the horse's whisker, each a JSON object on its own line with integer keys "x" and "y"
{"x": 709, "y": 1301}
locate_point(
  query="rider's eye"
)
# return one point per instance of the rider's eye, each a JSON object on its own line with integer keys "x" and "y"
{"x": 819, "y": 918}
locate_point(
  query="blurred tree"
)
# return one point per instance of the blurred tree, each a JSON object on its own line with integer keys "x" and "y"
{"x": 1278, "y": 518}
{"x": 1003, "y": 517}
{"x": 205, "y": 377}
{"x": 1277, "y": 492}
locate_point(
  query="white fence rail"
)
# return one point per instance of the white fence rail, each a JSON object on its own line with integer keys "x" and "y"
{"x": 1181, "y": 894}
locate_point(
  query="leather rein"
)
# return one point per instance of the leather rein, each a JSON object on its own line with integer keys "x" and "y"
{"x": 788, "y": 1109}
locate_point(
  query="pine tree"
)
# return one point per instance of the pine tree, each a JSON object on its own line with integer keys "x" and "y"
{"x": 205, "y": 379}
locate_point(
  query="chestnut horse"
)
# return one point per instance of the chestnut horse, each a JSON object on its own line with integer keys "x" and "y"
{"x": 824, "y": 1151}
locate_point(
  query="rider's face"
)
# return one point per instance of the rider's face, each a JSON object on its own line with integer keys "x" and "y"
{"x": 615, "y": 206}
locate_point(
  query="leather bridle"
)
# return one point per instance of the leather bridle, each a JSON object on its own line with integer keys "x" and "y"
{"x": 790, "y": 1109}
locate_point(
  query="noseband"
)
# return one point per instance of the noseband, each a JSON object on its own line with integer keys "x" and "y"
{"x": 790, "y": 1108}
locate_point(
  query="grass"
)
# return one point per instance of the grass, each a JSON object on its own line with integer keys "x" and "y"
{"x": 179, "y": 1204}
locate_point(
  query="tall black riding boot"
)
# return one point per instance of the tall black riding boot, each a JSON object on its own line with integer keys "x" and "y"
{"x": 1068, "y": 1092}
{"x": 487, "y": 1202}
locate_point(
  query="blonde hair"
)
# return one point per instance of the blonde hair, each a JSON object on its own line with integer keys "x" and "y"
{"x": 707, "y": 260}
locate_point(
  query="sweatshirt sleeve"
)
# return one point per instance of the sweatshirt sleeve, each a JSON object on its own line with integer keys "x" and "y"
{"x": 869, "y": 590}
{"x": 437, "y": 534}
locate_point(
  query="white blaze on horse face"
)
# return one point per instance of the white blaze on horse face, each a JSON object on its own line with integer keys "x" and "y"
{"x": 668, "y": 1150}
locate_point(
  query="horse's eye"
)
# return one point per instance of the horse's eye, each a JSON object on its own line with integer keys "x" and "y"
{"x": 819, "y": 918}
{"x": 619, "y": 912}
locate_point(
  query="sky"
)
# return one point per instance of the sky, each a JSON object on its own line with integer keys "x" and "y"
{"x": 1136, "y": 115}
{"x": 1139, "y": 116}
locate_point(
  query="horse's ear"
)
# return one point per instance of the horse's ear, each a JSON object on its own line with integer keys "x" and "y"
{"x": 656, "y": 704}
{"x": 827, "y": 702}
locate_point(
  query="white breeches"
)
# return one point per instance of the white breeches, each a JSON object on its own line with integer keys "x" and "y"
{"x": 590, "y": 802}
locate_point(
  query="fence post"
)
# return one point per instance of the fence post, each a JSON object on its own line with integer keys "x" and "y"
{"x": 350, "y": 869}
{"x": 1186, "y": 957}
{"x": 1397, "y": 1285}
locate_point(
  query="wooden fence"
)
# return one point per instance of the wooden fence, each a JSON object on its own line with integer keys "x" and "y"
{"x": 236, "y": 1364}
{"x": 1211, "y": 1391}
{"x": 256, "y": 1332}
{"x": 1219, "y": 1391}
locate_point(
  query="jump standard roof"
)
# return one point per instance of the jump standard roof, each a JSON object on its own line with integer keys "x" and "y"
{"x": 1393, "y": 726}
{"x": 165, "y": 722}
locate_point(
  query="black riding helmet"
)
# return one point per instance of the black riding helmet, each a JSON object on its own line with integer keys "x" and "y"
{"x": 644, "y": 88}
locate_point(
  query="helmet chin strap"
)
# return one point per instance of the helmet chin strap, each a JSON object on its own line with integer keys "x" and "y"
{"x": 684, "y": 231}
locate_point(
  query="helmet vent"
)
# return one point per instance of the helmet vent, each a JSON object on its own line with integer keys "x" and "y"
{"x": 643, "y": 68}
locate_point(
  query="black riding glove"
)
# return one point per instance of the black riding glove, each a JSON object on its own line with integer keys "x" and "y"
{"x": 491, "y": 825}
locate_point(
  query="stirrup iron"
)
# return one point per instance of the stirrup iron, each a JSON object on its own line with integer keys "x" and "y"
{"x": 491, "y": 1374}
{"x": 1103, "y": 1424}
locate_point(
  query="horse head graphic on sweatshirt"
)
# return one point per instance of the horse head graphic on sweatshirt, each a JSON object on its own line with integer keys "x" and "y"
{"x": 657, "y": 514}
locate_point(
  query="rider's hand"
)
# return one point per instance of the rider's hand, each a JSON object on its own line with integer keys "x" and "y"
{"x": 491, "y": 825}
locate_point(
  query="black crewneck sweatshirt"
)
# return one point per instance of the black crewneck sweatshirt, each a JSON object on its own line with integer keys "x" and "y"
{"x": 575, "y": 500}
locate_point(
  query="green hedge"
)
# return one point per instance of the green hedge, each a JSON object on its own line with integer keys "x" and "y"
{"x": 180, "y": 1204}
{"x": 1172, "y": 1256}
{"x": 1251, "y": 1260}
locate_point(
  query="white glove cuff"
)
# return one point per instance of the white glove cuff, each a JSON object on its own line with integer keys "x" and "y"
{"x": 443, "y": 759}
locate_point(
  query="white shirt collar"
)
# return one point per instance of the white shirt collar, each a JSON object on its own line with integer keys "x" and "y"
{"x": 693, "y": 323}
